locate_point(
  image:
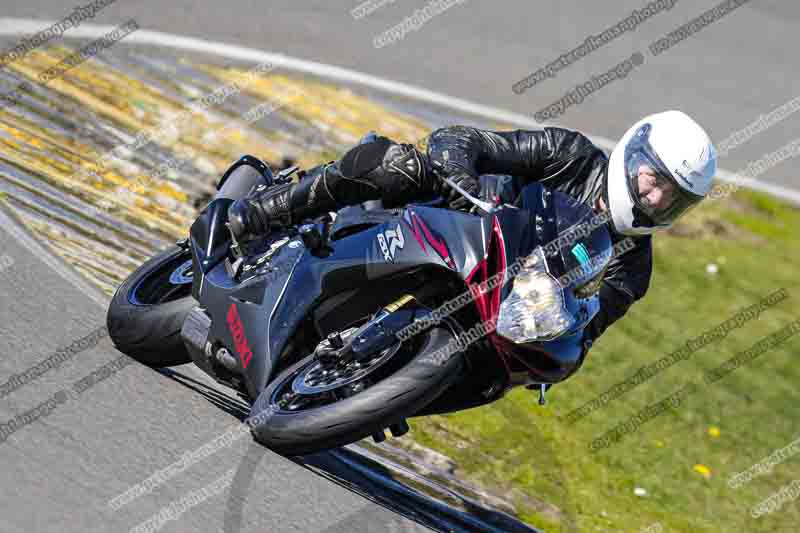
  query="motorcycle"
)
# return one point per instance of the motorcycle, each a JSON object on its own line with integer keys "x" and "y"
{"x": 352, "y": 323}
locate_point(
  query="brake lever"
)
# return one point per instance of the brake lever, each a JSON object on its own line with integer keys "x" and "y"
{"x": 486, "y": 207}
{"x": 285, "y": 175}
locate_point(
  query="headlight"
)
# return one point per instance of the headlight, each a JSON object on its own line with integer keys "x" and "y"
{"x": 535, "y": 309}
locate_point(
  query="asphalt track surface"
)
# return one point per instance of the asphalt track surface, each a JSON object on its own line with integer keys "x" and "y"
{"x": 60, "y": 471}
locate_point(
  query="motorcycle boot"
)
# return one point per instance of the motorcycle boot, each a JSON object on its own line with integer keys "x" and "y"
{"x": 381, "y": 169}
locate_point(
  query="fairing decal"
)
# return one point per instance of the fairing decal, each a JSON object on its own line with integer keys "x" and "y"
{"x": 412, "y": 224}
{"x": 488, "y": 302}
{"x": 415, "y": 223}
{"x": 239, "y": 337}
{"x": 389, "y": 241}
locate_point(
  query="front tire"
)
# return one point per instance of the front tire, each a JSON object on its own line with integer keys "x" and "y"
{"x": 367, "y": 412}
{"x": 148, "y": 310}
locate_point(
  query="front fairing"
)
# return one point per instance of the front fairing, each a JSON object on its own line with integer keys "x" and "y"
{"x": 577, "y": 248}
{"x": 546, "y": 361}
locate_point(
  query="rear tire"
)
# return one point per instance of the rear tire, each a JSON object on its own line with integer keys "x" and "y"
{"x": 370, "y": 411}
{"x": 150, "y": 331}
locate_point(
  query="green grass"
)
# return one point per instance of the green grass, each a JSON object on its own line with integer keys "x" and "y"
{"x": 542, "y": 464}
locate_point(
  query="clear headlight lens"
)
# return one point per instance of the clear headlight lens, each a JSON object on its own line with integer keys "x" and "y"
{"x": 535, "y": 309}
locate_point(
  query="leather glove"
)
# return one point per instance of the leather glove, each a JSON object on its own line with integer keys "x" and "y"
{"x": 264, "y": 209}
{"x": 395, "y": 173}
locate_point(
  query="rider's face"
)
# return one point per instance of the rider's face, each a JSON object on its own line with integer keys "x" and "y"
{"x": 655, "y": 190}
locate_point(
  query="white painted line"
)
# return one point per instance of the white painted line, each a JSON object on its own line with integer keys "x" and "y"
{"x": 20, "y": 26}
{"x": 10, "y": 226}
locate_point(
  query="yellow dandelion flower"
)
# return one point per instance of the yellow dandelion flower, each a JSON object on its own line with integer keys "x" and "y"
{"x": 714, "y": 431}
{"x": 660, "y": 444}
{"x": 702, "y": 470}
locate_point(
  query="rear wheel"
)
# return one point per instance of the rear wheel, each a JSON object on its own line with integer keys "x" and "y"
{"x": 309, "y": 407}
{"x": 148, "y": 310}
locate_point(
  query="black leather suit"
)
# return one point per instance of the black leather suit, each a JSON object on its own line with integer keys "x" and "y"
{"x": 561, "y": 159}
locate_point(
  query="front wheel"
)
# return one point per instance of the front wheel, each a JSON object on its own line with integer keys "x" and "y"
{"x": 307, "y": 409}
{"x": 148, "y": 310}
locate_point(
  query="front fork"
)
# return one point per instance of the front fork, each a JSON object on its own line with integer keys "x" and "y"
{"x": 374, "y": 336}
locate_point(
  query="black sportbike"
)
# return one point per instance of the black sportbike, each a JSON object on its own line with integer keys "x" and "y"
{"x": 351, "y": 323}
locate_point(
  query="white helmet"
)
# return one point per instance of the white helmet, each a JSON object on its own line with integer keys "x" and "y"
{"x": 679, "y": 151}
